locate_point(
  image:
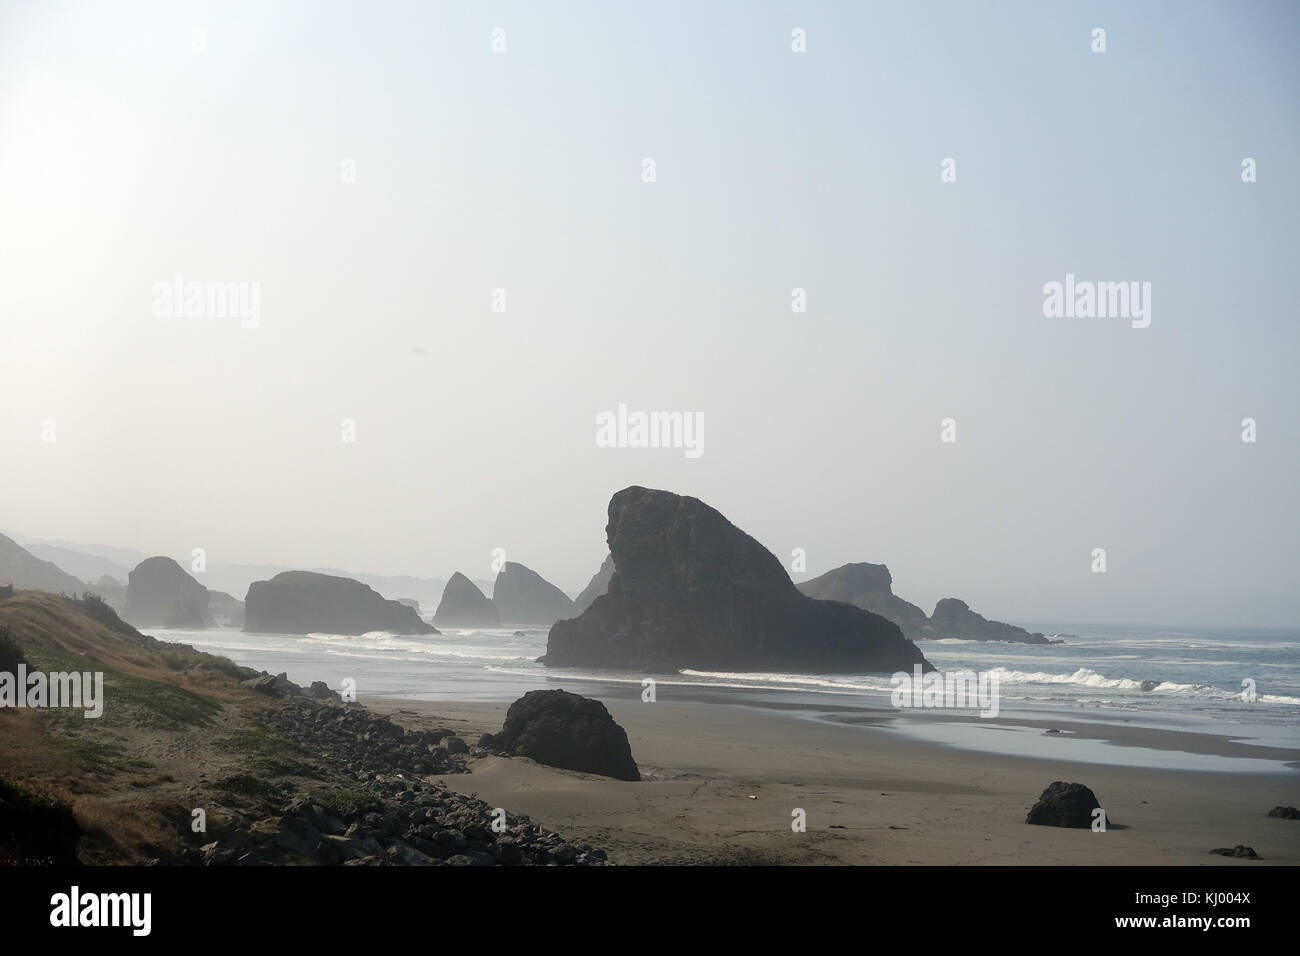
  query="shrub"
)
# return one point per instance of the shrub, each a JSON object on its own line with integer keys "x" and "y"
{"x": 36, "y": 830}
{"x": 11, "y": 655}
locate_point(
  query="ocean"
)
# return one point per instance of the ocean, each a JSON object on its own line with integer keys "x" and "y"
{"x": 1163, "y": 679}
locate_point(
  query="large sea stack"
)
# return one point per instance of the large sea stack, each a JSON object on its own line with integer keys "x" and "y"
{"x": 523, "y": 596}
{"x": 160, "y": 593}
{"x": 690, "y": 589}
{"x": 302, "y": 602}
{"x": 464, "y": 605}
{"x": 870, "y": 587}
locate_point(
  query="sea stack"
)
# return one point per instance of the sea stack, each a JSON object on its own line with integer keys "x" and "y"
{"x": 690, "y": 589}
{"x": 598, "y": 585}
{"x": 226, "y": 609}
{"x": 160, "y": 593}
{"x": 522, "y": 596}
{"x": 464, "y": 605}
{"x": 303, "y": 602}
{"x": 954, "y": 618}
{"x": 870, "y": 587}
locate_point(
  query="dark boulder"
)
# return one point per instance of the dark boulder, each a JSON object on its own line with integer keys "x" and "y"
{"x": 464, "y": 605}
{"x": 302, "y": 602}
{"x": 273, "y": 686}
{"x": 321, "y": 691}
{"x": 690, "y": 589}
{"x": 1064, "y": 805}
{"x": 1239, "y": 851}
{"x": 566, "y": 730}
{"x": 1286, "y": 813}
{"x": 522, "y": 596}
{"x": 160, "y": 593}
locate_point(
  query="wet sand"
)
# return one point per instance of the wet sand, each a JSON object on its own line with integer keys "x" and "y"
{"x": 720, "y": 784}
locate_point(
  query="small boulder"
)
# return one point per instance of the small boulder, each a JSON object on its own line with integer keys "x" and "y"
{"x": 569, "y": 731}
{"x": 1286, "y": 813}
{"x": 277, "y": 686}
{"x": 1244, "y": 852}
{"x": 1064, "y": 805}
{"x": 321, "y": 691}
{"x": 455, "y": 745}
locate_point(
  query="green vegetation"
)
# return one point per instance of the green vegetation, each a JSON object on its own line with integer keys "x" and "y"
{"x": 99, "y": 611}
{"x": 181, "y": 659}
{"x": 274, "y": 756}
{"x": 95, "y": 756}
{"x": 164, "y": 706}
{"x": 247, "y": 792}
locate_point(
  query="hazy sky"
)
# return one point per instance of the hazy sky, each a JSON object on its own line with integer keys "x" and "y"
{"x": 139, "y": 141}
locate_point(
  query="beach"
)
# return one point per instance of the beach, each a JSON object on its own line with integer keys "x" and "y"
{"x": 720, "y": 784}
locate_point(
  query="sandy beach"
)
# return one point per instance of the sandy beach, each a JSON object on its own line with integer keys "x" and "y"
{"x": 720, "y": 784}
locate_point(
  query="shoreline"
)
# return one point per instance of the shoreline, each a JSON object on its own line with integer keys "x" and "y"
{"x": 720, "y": 785}
{"x": 1110, "y": 730}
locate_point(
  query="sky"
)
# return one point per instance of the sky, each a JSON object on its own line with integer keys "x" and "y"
{"x": 376, "y": 171}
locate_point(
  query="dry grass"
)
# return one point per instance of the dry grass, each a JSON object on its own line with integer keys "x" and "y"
{"x": 133, "y": 775}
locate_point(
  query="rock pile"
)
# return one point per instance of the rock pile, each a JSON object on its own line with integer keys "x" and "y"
{"x": 391, "y": 821}
{"x": 364, "y": 743}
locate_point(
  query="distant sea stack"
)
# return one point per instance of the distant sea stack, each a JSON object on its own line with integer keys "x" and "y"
{"x": 870, "y": 587}
{"x": 954, "y": 618}
{"x": 302, "y": 602}
{"x": 597, "y": 587}
{"x": 111, "y": 590}
{"x": 522, "y": 596}
{"x": 226, "y": 609}
{"x": 691, "y": 590}
{"x": 160, "y": 593}
{"x": 464, "y": 605}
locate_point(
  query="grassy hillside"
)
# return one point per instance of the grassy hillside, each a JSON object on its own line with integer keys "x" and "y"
{"x": 130, "y": 778}
{"x": 284, "y": 775}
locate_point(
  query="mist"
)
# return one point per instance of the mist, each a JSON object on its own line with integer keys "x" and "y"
{"x": 429, "y": 272}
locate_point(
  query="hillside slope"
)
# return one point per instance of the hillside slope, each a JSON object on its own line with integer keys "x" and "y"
{"x": 282, "y": 775}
